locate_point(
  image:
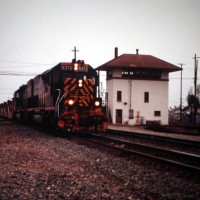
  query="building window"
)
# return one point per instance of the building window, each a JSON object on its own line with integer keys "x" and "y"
{"x": 157, "y": 113}
{"x": 109, "y": 73}
{"x": 146, "y": 97}
{"x": 141, "y": 73}
{"x": 125, "y": 74}
{"x": 119, "y": 96}
{"x": 131, "y": 114}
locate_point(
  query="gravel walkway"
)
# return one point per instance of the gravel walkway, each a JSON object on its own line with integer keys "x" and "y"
{"x": 35, "y": 165}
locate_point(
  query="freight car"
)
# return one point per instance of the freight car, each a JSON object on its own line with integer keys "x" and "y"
{"x": 6, "y": 109}
{"x": 65, "y": 97}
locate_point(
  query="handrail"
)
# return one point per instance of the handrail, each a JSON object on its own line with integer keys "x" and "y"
{"x": 59, "y": 99}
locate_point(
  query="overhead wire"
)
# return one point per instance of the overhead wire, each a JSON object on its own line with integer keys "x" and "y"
{"x": 15, "y": 73}
{"x": 4, "y": 73}
{"x": 30, "y": 63}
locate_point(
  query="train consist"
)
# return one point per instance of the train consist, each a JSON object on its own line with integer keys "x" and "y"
{"x": 64, "y": 97}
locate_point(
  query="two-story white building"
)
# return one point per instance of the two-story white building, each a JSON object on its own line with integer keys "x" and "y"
{"x": 137, "y": 88}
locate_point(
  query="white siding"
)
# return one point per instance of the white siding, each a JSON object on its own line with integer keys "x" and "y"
{"x": 134, "y": 90}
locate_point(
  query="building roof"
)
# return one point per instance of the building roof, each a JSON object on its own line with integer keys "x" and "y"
{"x": 138, "y": 61}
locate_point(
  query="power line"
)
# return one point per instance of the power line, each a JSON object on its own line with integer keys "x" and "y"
{"x": 16, "y": 74}
{"x": 7, "y": 92}
{"x": 30, "y": 63}
{"x": 6, "y": 89}
{"x": 15, "y": 67}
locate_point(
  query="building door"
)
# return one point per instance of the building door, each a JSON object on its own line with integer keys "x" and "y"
{"x": 119, "y": 116}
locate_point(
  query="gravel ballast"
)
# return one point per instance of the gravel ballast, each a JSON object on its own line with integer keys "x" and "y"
{"x": 37, "y": 165}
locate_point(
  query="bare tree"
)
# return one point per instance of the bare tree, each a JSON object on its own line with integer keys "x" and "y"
{"x": 194, "y": 103}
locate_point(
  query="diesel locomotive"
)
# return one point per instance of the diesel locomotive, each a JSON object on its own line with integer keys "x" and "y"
{"x": 64, "y": 97}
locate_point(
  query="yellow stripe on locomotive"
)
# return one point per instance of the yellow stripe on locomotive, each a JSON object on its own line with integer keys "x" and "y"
{"x": 79, "y": 92}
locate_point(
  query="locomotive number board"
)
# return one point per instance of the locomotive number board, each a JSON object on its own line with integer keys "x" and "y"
{"x": 78, "y": 68}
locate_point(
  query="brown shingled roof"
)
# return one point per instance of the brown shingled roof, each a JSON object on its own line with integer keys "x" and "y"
{"x": 138, "y": 60}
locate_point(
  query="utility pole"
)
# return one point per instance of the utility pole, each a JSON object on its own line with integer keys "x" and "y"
{"x": 195, "y": 74}
{"x": 75, "y": 52}
{"x": 195, "y": 86}
{"x": 181, "y": 64}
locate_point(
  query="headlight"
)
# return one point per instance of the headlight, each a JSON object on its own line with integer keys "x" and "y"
{"x": 75, "y": 66}
{"x": 80, "y": 83}
{"x": 97, "y": 103}
{"x": 71, "y": 102}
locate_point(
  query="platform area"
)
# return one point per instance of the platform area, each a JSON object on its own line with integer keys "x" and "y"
{"x": 142, "y": 130}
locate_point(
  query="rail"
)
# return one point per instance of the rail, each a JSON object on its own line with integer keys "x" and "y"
{"x": 180, "y": 159}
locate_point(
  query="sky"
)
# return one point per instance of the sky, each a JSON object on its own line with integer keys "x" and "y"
{"x": 35, "y": 35}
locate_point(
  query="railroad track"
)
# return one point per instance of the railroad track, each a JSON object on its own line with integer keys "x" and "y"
{"x": 179, "y": 159}
{"x": 161, "y": 139}
{"x": 182, "y": 159}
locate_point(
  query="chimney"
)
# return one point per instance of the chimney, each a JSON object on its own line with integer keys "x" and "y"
{"x": 116, "y": 52}
{"x": 137, "y": 51}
